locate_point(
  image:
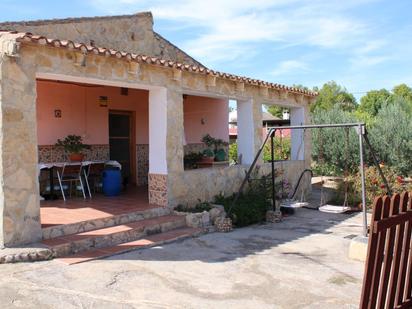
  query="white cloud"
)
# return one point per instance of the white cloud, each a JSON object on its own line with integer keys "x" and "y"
{"x": 288, "y": 67}
{"x": 368, "y": 60}
{"x": 231, "y": 28}
{"x": 327, "y": 39}
{"x": 371, "y": 46}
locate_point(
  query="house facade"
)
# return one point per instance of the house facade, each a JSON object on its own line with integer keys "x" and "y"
{"x": 60, "y": 77}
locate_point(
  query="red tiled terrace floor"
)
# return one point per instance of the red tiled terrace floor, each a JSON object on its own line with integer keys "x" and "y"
{"x": 77, "y": 209}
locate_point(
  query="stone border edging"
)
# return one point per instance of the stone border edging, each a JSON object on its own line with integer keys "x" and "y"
{"x": 25, "y": 254}
{"x": 206, "y": 219}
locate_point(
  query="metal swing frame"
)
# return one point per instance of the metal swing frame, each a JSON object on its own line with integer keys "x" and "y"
{"x": 362, "y": 134}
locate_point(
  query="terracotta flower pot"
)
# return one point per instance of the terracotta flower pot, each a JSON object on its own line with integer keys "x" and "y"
{"x": 76, "y": 157}
{"x": 208, "y": 159}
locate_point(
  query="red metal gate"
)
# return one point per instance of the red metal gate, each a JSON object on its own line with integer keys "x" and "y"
{"x": 387, "y": 282}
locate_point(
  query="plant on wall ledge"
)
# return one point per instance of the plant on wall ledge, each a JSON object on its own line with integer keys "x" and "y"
{"x": 214, "y": 149}
{"x": 73, "y": 145}
{"x": 191, "y": 159}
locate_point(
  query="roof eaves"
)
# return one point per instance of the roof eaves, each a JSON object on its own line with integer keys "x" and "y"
{"x": 42, "y": 40}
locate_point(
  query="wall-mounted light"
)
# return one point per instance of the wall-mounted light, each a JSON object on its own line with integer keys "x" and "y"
{"x": 103, "y": 101}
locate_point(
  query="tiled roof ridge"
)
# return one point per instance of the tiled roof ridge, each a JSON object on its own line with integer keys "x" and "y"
{"x": 40, "y": 22}
{"x": 42, "y": 40}
{"x": 158, "y": 36}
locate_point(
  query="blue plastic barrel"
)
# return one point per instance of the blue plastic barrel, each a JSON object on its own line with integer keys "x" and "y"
{"x": 112, "y": 180}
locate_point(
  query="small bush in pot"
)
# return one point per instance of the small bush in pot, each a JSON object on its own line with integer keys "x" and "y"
{"x": 208, "y": 155}
{"x": 73, "y": 145}
{"x": 214, "y": 148}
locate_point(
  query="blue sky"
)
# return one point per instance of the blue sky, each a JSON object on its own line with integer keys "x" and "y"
{"x": 361, "y": 44}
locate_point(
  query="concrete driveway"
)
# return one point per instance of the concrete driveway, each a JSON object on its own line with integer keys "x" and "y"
{"x": 299, "y": 263}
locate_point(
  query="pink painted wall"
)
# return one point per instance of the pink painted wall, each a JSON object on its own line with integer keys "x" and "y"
{"x": 82, "y": 114}
{"x": 214, "y": 112}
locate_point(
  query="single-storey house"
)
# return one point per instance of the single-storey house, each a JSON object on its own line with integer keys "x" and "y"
{"x": 75, "y": 76}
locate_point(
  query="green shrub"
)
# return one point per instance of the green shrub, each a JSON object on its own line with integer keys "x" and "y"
{"x": 233, "y": 152}
{"x": 329, "y": 144}
{"x": 249, "y": 209}
{"x": 282, "y": 149}
{"x": 252, "y": 204}
{"x": 324, "y": 169}
{"x": 354, "y": 197}
{"x": 391, "y": 136}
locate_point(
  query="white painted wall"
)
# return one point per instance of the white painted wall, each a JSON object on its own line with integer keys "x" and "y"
{"x": 297, "y": 117}
{"x": 246, "y": 131}
{"x": 157, "y": 131}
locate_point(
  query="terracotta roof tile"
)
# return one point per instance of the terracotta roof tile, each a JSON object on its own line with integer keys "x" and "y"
{"x": 41, "y": 40}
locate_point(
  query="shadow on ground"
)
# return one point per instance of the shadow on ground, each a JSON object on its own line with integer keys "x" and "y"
{"x": 253, "y": 240}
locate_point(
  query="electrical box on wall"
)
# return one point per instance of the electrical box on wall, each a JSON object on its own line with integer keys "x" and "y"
{"x": 103, "y": 101}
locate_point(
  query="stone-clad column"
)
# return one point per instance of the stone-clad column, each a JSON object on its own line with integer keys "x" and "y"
{"x": 19, "y": 196}
{"x": 165, "y": 141}
{"x": 175, "y": 132}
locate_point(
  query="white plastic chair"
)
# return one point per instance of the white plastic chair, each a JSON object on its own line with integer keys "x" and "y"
{"x": 70, "y": 173}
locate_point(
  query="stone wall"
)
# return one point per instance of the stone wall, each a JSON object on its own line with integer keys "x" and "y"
{"x": 198, "y": 147}
{"x": 51, "y": 153}
{"x": 194, "y": 147}
{"x": 131, "y": 33}
{"x": 142, "y": 157}
{"x": 204, "y": 184}
{"x": 158, "y": 189}
{"x": 19, "y": 193}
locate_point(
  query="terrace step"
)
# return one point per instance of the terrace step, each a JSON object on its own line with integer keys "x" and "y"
{"x": 142, "y": 243}
{"x": 114, "y": 235}
{"x": 103, "y": 222}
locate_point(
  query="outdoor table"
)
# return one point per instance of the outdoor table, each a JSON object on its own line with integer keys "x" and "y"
{"x": 50, "y": 167}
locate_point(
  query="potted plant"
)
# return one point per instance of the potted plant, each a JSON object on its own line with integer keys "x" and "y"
{"x": 220, "y": 153}
{"x": 73, "y": 145}
{"x": 208, "y": 156}
{"x": 208, "y": 153}
{"x": 214, "y": 148}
